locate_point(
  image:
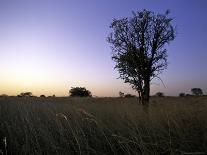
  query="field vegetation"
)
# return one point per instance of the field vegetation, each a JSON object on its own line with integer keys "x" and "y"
{"x": 173, "y": 125}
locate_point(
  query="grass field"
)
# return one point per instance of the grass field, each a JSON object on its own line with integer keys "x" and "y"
{"x": 103, "y": 126}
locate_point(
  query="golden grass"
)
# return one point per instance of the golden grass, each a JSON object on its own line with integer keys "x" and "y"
{"x": 103, "y": 126}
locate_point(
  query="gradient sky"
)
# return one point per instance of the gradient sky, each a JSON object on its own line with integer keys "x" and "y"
{"x": 48, "y": 46}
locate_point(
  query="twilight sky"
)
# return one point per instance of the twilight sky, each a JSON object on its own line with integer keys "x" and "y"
{"x": 48, "y": 46}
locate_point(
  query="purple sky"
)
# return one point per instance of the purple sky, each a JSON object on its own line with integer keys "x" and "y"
{"x": 48, "y": 46}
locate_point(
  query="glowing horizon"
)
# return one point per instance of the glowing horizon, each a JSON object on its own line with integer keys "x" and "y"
{"x": 48, "y": 47}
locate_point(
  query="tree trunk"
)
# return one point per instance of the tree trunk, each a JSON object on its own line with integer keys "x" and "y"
{"x": 140, "y": 97}
{"x": 145, "y": 95}
{"x": 147, "y": 91}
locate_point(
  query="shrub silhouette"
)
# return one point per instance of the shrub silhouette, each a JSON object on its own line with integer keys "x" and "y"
{"x": 52, "y": 95}
{"x": 129, "y": 95}
{"x": 42, "y": 95}
{"x": 3, "y": 95}
{"x": 159, "y": 94}
{"x": 197, "y": 91}
{"x": 79, "y": 92}
{"x": 25, "y": 94}
{"x": 181, "y": 94}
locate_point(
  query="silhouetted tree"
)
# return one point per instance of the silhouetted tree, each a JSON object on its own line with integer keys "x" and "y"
{"x": 79, "y": 92}
{"x": 52, "y": 95}
{"x": 25, "y": 94}
{"x": 3, "y": 95}
{"x": 181, "y": 94}
{"x": 159, "y": 94}
{"x": 138, "y": 48}
{"x": 197, "y": 91}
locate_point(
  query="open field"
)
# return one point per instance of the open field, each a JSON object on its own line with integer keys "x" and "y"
{"x": 103, "y": 126}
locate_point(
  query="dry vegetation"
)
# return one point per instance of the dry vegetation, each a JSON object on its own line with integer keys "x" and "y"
{"x": 103, "y": 126}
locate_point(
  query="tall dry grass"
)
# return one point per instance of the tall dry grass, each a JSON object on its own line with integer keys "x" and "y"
{"x": 103, "y": 126}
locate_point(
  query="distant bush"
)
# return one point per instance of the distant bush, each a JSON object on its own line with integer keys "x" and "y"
{"x": 4, "y": 95}
{"x": 197, "y": 91}
{"x": 129, "y": 95}
{"x": 181, "y": 94}
{"x": 26, "y": 94}
{"x": 42, "y": 95}
{"x": 79, "y": 92}
{"x": 121, "y": 94}
{"x": 159, "y": 94}
{"x": 52, "y": 95}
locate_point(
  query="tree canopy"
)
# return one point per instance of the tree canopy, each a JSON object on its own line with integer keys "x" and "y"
{"x": 25, "y": 94}
{"x": 138, "y": 48}
{"x": 79, "y": 92}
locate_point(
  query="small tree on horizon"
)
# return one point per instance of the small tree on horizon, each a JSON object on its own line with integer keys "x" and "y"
{"x": 25, "y": 94}
{"x": 138, "y": 48}
{"x": 79, "y": 92}
{"x": 3, "y": 95}
{"x": 182, "y": 95}
{"x": 197, "y": 91}
{"x": 42, "y": 96}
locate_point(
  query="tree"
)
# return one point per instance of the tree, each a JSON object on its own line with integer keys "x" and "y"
{"x": 3, "y": 95}
{"x": 182, "y": 95}
{"x": 25, "y": 94}
{"x": 79, "y": 92}
{"x": 197, "y": 91}
{"x": 138, "y": 48}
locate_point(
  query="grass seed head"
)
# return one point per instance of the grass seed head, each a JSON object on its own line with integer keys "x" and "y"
{"x": 61, "y": 115}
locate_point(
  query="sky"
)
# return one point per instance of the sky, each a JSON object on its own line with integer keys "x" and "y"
{"x": 49, "y": 46}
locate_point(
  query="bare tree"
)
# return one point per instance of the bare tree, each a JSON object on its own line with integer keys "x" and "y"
{"x": 138, "y": 48}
